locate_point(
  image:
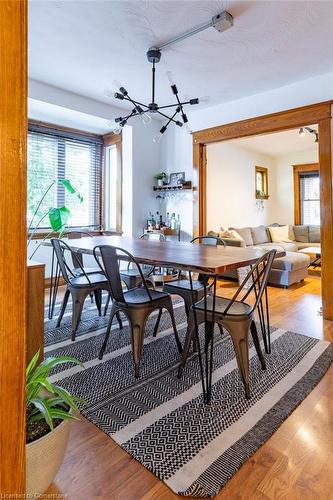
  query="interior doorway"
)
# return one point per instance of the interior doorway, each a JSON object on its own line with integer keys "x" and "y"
{"x": 318, "y": 114}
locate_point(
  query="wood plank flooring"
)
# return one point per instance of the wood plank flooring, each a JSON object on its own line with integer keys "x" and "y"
{"x": 295, "y": 463}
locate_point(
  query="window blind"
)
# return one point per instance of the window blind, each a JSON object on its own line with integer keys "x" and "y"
{"x": 54, "y": 155}
{"x": 310, "y": 198}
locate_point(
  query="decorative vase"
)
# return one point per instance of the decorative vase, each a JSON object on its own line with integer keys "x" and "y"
{"x": 160, "y": 182}
{"x": 44, "y": 457}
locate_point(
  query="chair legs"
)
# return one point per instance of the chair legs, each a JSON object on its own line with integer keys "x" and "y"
{"x": 256, "y": 343}
{"x": 107, "y": 304}
{"x": 189, "y": 338}
{"x": 98, "y": 300}
{"x": 157, "y": 324}
{"x": 78, "y": 302}
{"x": 239, "y": 336}
{"x": 63, "y": 308}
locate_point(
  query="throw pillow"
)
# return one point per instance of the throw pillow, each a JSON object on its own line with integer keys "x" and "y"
{"x": 245, "y": 234}
{"x": 279, "y": 234}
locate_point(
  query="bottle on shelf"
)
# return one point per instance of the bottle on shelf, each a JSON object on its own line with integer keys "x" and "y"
{"x": 149, "y": 222}
{"x": 153, "y": 222}
{"x": 173, "y": 222}
{"x": 178, "y": 222}
{"x": 161, "y": 221}
{"x": 157, "y": 223}
{"x": 167, "y": 220}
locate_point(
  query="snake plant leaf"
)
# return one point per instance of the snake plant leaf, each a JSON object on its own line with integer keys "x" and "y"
{"x": 58, "y": 218}
{"x": 72, "y": 189}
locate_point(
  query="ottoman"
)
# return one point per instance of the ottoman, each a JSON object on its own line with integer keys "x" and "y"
{"x": 290, "y": 269}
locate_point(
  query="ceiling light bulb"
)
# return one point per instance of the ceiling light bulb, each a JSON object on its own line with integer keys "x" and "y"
{"x": 117, "y": 130}
{"x": 146, "y": 119}
{"x": 116, "y": 84}
{"x": 157, "y": 138}
{"x": 170, "y": 77}
{"x": 187, "y": 128}
{"x": 301, "y": 132}
{"x": 108, "y": 92}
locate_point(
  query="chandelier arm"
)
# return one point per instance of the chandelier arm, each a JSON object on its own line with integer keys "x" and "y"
{"x": 168, "y": 117}
{"x": 135, "y": 103}
{"x": 153, "y": 84}
{"x": 172, "y": 105}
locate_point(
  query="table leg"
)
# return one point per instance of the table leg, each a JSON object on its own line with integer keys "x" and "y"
{"x": 205, "y": 358}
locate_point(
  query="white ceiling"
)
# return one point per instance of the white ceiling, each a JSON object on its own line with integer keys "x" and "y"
{"x": 82, "y": 46}
{"x": 279, "y": 143}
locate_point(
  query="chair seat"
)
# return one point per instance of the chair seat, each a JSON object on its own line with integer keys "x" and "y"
{"x": 88, "y": 270}
{"x": 237, "y": 309}
{"x": 95, "y": 279}
{"x": 184, "y": 285}
{"x": 140, "y": 296}
{"x": 134, "y": 273}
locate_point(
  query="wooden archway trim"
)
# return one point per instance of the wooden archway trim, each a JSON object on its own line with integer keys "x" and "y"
{"x": 293, "y": 118}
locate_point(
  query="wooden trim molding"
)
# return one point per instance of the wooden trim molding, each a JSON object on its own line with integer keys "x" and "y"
{"x": 315, "y": 113}
{"x": 110, "y": 140}
{"x": 13, "y": 238}
{"x": 274, "y": 122}
{"x": 297, "y": 170}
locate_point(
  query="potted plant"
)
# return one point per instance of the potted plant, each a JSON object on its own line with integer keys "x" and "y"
{"x": 58, "y": 216}
{"x": 49, "y": 410}
{"x": 161, "y": 178}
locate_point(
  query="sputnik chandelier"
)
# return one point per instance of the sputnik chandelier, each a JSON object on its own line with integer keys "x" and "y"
{"x": 220, "y": 22}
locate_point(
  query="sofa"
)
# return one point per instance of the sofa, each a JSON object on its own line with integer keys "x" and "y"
{"x": 286, "y": 270}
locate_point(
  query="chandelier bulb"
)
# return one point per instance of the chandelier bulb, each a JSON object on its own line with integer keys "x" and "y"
{"x": 301, "y": 132}
{"x": 170, "y": 77}
{"x": 116, "y": 84}
{"x": 157, "y": 138}
{"x": 146, "y": 119}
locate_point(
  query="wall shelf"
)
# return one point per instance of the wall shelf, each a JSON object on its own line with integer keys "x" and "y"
{"x": 180, "y": 187}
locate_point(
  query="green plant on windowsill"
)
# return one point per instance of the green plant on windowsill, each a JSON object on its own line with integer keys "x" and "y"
{"x": 49, "y": 410}
{"x": 58, "y": 216}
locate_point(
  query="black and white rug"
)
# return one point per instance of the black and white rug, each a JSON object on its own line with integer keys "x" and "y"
{"x": 161, "y": 420}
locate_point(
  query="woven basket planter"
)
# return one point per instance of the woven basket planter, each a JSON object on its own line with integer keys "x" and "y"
{"x": 44, "y": 457}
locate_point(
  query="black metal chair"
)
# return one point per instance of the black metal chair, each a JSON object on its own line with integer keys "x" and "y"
{"x": 236, "y": 316}
{"x": 136, "y": 304}
{"x": 78, "y": 286}
{"x": 131, "y": 276}
{"x": 75, "y": 257}
{"x": 182, "y": 287}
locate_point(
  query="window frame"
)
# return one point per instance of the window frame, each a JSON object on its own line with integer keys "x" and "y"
{"x": 298, "y": 170}
{"x": 112, "y": 139}
{"x": 70, "y": 133}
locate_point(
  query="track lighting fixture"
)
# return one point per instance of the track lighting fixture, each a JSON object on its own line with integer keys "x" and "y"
{"x": 310, "y": 130}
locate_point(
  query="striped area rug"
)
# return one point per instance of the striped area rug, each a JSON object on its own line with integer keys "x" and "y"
{"x": 161, "y": 420}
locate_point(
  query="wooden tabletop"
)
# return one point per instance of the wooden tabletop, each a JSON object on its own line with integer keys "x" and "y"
{"x": 187, "y": 256}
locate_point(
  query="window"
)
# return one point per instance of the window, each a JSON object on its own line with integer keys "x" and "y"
{"x": 309, "y": 198}
{"x": 261, "y": 183}
{"x": 113, "y": 182}
{"x": 55, "y": 154}
{"x": 307, "y": 194}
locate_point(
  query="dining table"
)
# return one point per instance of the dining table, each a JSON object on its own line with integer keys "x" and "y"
{"x": 186, "y": 256}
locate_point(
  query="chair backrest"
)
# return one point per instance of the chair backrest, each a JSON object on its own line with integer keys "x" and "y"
{"x": 73, "y": 235}
{"x": 107, "y": 257}
{"x": 207, "y": 240}
{"x": 255, "y": 281}
{"x": 60, "y": 247}
{"x": 153, "y": 236}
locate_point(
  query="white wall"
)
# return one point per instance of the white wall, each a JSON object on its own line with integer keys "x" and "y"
{"x": 231, "y": 186}
{"x": 282, "y": 185}
{"x": 177, "y": 148}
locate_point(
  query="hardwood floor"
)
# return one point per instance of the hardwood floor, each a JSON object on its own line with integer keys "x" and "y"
{"x": 295, "y": 463}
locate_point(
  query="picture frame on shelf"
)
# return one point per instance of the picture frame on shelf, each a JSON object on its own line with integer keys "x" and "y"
{"x": 177, "y": 178}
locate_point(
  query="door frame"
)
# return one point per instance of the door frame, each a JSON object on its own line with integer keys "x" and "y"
{"x": 13, "y": 232}
{"x": 276, "y": 122}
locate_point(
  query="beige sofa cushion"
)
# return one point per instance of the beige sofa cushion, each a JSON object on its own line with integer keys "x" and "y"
{"x": 279, "y": 234}
{"x": 301, "y": 233}
{"x": 259, "y": 235}
{"x": 314, "y": 234}
{"x": 245, "y": 233}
